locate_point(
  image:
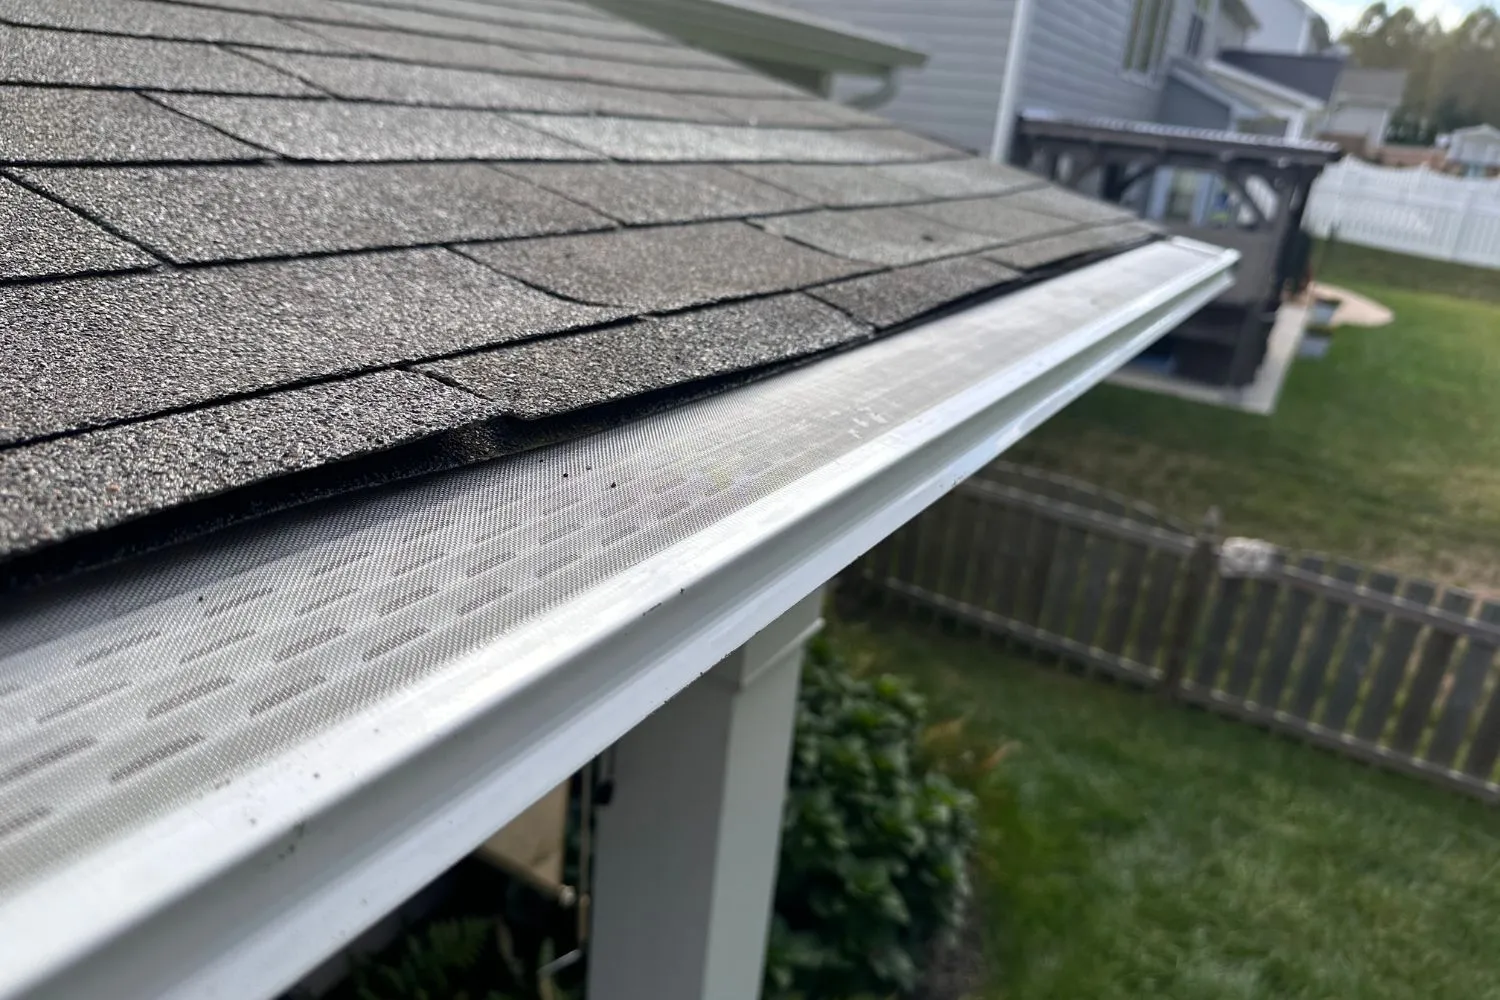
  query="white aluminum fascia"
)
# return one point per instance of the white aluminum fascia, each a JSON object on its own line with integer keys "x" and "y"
{"x": 242, "y": 889}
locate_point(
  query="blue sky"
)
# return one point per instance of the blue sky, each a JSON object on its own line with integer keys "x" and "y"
{"x": 1340, "y": 14}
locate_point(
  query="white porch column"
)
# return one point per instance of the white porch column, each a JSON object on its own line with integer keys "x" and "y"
{"x": 687, "y": 847}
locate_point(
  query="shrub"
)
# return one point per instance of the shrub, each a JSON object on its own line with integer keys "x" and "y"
{"x": 447, "y": 960}
{"x": 875, "y": 842}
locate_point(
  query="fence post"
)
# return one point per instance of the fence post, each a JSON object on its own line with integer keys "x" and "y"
{"x": 1461, "y": 226}
{"x": 1196, "y": 582}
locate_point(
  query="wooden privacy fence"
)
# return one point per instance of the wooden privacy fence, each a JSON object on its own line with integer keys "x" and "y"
{"x": 1396, "y": 672}
{"x": 1413, "y": 211}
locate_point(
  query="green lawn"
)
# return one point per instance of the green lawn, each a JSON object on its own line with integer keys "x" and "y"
{"x": 1136, "y": 849}
{"x": 1386, "y": 451}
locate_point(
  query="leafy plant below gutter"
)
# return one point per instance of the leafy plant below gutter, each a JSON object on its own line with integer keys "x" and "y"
{"x": 446, "y": 960}
{"x": 875, "y": 843}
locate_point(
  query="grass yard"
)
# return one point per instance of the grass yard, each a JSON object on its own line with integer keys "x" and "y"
{"x": 1386, "y": 451}
{"x": 1138, "y": 849}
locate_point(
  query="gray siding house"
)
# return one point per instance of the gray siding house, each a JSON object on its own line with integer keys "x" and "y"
{"x": 956, "y": 94}
{"x": 1176, "y": 62}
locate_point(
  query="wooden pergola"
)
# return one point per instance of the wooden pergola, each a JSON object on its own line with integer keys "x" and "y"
{"x": 1267, "y": 178}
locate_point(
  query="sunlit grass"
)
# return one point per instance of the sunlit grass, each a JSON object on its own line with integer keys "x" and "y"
{"x": 1135, "y": 848}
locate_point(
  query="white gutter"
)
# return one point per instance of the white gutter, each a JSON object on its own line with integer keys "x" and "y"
{"x": 681, "y": 536}
{"x": 1010, "y": 88}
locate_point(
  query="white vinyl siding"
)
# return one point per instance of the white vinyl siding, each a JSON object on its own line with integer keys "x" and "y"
{"x": 956, "y": 95}
{"x": 1068, "y": 72}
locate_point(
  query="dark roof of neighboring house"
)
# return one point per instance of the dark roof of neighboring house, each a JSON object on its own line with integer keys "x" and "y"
{"x": 1312, "y": 75}
{"x": 1375, "y": 88}
{"x": 247, "y": 239}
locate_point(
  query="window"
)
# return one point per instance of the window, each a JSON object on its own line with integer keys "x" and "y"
{"x": 1148, "y": 35}
{"x": 1198, "y": 26}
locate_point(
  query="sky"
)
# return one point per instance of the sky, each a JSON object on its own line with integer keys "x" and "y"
{"x": 1340, "y": 14}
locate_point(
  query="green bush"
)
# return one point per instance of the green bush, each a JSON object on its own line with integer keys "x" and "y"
{"x": 875, "y": 844}
{"x": 447, "y": 960}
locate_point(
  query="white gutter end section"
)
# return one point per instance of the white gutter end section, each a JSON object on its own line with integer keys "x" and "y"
{"x": 493, "y": 630}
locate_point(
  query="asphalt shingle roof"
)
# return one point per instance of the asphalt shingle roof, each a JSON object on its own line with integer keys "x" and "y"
{"x": 42, "y": 238}
{"x": 200, "y": 214}
{"x": 691, "y": 265}
{"x": 892, "y": 297}
{"x": 640, "y": 193}
{"x": 244, "y": 239}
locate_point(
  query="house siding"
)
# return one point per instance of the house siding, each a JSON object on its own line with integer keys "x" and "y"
{"x": 1283, "y": 26}
{"x": 1230, "y": 35}
{"x": 1185, "y": 106}
{"x": 1354, "y": 120}
{"x": 1075, "y": 60}
{"x": 955, "y": 96}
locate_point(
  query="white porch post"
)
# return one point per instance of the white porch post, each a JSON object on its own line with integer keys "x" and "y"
{"x": 687, "y": 848}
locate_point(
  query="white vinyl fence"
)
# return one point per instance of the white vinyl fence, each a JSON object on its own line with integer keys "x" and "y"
{"x": 1412, "y": 211}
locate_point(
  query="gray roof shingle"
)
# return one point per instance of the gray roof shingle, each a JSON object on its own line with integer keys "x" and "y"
{"x": 961, "y": 178}
{"x": 550, "y": 377}
{"x": 152, "y": 19}
{"x": 1050, "y": 250}
{"x": 62, "y": 488}
{"x": 683, "y": 142}
{"x": 446, "y": 86}
{"x": 777, "y": 111}
{"x": 232, "y": 232}
{"x": 691, "y": 265}
{"x": 340, "y": 131}
{"x": 43, "y": 238}
{"x": 277, "y": 8}
{"x": 197, "y": 214}
{"x": 1067, "y": 205}
{"x": 890, "y": 236}
{"x": 542, "y": 40}
{"x": 892, "y": 297}
{"x": 652, "y": 76}
{"x": 423, "y": 48}
{"x": 142, "y": 344}
{"x": 1003, "y": 219}
{"x": 834, "y": 185}
{"x": 640, "y": 193}
{"x": 45, "y": 125}
{"x": 35, "y": 55}
{"x": 577, "y": 19}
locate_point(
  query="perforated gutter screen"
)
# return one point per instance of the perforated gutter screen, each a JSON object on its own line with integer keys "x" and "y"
{"x": 218, "y": 770}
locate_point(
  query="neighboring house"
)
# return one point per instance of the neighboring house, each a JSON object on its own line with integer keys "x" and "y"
{"x": 1272, "y": 93}
{"x": 1474, "y": 152}
{"x": 1286, "y": 26}
{"x": 790, "y": 45}
{"x": 406, "y": 404}
{"x": 1359, "y": 112}
{"x": 1180, "y": 62}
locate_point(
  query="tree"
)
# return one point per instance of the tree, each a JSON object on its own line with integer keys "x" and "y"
{"x": 1453, "y": 75}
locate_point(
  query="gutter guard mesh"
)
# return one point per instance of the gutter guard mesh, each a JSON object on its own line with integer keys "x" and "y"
{"x": 123, "y": 720}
